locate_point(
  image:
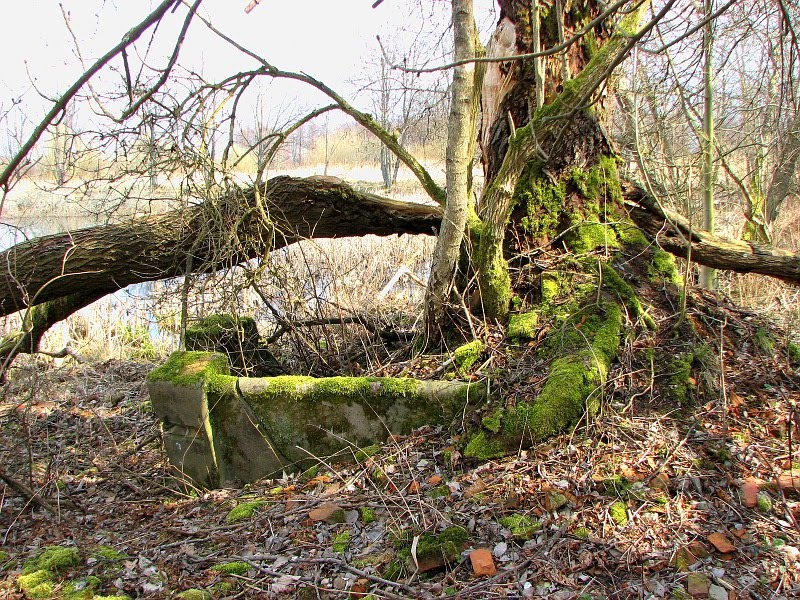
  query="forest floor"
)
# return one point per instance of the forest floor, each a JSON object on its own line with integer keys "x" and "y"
{"x": 649, "y": 499}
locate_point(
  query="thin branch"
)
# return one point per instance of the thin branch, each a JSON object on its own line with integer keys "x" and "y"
{"x": 694, "y": 29}
{"x": 554, "y": 50}
{"x": 61, "y": 104}
{"x": 434, "y": 191}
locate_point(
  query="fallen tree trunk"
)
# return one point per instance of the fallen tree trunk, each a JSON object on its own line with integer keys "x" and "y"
{"x": 674, "y": 234}
{"x": 210, "y": 236}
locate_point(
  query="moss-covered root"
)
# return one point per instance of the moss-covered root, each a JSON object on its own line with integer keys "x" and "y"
{"x": 574, "y": 383}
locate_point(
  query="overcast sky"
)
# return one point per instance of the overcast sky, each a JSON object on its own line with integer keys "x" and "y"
{"x": 328, "y": 39}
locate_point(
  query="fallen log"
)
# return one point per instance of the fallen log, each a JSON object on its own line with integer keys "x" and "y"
{"x": 212, "y": 235}
{"x": 56, "y": 275}
{"x": 673, "y": 233}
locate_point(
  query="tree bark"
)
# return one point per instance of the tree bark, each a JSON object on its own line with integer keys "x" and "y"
{"x": 219, "y": 233}
{"x": 675, "y": 234}
{"x": 461, "y": 131}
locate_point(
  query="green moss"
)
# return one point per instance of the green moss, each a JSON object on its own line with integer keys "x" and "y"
{"x": 291, "y": 407}
{"x": 195, "y": 594}
{"x": 36, "y": 584}
{"x": 616, "y": 486}
{"x": 440, "y": 491}
{"x": 663, "y": 267}
{"x": 543, "y": 201}
{"x": 341, "y": 541}
{"x": 630, "y": 235}
{"x": 107, "y": 553}
{"x": 583, "y": 533}
{"x": 190, "y": 368}
{"x": 522, "y": 527}
{"x": 619, "y": 513}
{"x": 232, "y": 568}
{"x": 483, "y": 448}
{"x": 679, "y": 373}
{"x": 495, "y": 282}
{"x": 54, "y": 559}
{"x": 467, "y": 355}
{"x": 794, "y": 351}
{"x": 371, "y": 560}
{"x": 81, "y": 589}
{"x": 764, "y": 341}
{"x": 367, "y": 514}
{"x": 366, "y": 452}
{"x": 243, "y": 511}
{"x": 617, "y": 285}
{"x": 574, "y": 384}
{"x": 492, "y": 421}
{"x": 589, "y": 223}
{"x": 522, "y": 327}
{"x": 764, "y": 503}
{"x": 448, "y": 544}
{"x": 557, "y": 500}
{"x": 551, "y": 287}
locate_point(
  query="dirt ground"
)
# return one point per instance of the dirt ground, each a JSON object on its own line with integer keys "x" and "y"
{"x": 649, "y": 499}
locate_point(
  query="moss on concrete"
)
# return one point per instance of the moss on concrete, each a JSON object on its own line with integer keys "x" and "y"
{"x": 244, "y": 511}
{"x": 293, "y": 409}
{"x": 190, "y": 368}
{"x": 522, "y": 327}
{"x": 237, "y": 337}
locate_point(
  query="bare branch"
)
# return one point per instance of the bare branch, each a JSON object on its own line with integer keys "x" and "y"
{"x": 128, "y": 39}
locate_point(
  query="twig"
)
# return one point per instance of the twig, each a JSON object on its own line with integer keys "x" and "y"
{"x": 27, "y": 492}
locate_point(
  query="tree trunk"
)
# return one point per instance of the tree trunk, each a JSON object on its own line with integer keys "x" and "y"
{"x": 461, "y": 131}
{"x": 56, "y": 275}
{"x": 220, "y": 233}
{"x": 552, "y": 177}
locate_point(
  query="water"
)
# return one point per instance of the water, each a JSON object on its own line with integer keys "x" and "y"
{"x": 130, "y": 306}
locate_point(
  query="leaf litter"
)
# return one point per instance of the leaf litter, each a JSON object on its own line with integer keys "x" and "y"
{"x": 649, "y": 499}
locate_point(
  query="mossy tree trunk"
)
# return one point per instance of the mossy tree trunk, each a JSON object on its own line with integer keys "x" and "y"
{"x": 548, "y": 142}
{"x": 551, "y": 175}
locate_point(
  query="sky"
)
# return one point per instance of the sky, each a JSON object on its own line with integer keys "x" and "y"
{"x": 327, "y": 39}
